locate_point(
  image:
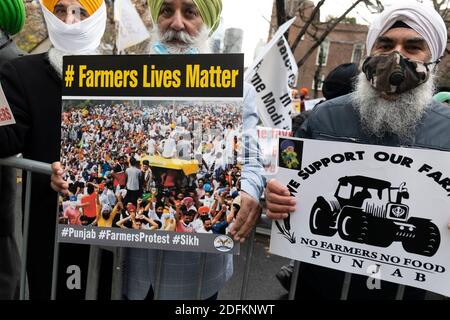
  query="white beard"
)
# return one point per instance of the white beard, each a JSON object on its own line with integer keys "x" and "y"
{"x": 55, "y": 57}
{"x": 199, "y": 41}
{"x": 400, "y": 116}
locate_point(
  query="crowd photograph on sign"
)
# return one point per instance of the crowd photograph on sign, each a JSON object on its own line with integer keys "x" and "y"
{"x": 151, "y": 165}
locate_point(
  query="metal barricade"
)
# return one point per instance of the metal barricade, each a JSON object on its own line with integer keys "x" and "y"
{"x": 29, "y": 167}
{"x": 94, "y": 271}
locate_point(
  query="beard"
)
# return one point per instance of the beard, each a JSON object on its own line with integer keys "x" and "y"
{"x": 399, "y": 116}
{"x": 185, "y": 41}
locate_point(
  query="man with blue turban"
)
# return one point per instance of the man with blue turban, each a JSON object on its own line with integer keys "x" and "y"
{"x": 183, "y": 26}
{"x": 12, "y": 19}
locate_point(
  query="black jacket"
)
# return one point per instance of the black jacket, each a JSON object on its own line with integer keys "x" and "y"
{"x": 33, "y": 90}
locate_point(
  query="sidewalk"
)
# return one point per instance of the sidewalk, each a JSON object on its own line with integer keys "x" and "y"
{"x": 262, "y": 285}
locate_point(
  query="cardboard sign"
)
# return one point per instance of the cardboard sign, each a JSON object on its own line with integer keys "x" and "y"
{"x": 362, "y": 208}
{"x": 6, "y": 115}
{"x": 146, "y": 168}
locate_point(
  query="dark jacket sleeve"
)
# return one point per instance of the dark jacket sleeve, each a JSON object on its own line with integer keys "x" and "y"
{"x": 12, "y": 137}
{"x": 304, "y": 130}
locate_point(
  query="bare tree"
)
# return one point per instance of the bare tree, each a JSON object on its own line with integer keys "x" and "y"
{"x": 281, "y": 11}
{"x": 442, "y": 6}
{"x": 319, "y": 31}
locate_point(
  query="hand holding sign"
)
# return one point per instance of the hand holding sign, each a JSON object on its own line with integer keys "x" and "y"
{"x": 247, "y": 217}
{"x": 279, "y": 201}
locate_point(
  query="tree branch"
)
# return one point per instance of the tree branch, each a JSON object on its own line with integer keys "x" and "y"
{"x": 436, "y": 5}
{"x": 444, "y": 13}
{"x": 312, "y": 35}
{"x": 330, "y": 28}
{"x": 302, "y": 32}
{"x": 377, "y": 7}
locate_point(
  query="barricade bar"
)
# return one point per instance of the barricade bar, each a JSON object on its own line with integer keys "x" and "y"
{"x": 27, "y": 165}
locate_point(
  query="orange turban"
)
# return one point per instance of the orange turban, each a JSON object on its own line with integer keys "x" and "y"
{"x": 90, "y": 5}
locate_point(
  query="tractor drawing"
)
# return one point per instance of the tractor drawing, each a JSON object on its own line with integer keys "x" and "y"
{"x": 370, "y": 211}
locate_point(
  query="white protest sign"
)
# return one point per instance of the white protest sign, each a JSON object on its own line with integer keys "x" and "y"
{"x": 131, "y": 29}
{"x": 6, "y": 115}
{"x": 360, "y": 206}
{"x": 272, "y": 74}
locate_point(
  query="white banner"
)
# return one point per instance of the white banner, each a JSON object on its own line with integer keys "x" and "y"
{"x": 6, "y": 115}
{"x": 369, "y": 210}
{"x": 131, "y": 30}
{"x": 272, "y": 74}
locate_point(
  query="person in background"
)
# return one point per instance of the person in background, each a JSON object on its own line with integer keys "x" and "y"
{"x": 383, "y": 110}
{"x": 340, "y": 81}
{"x": 303, "y": 96}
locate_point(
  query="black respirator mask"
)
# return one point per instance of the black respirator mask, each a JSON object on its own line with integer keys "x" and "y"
{"x": 394, "y": 74}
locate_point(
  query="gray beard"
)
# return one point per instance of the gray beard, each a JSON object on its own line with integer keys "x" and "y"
{"x": 199, "y": 41}
{"x": 55, "y": 57}
{"x": 400, "y": 116}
